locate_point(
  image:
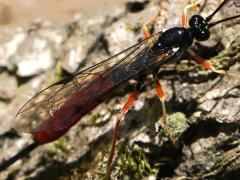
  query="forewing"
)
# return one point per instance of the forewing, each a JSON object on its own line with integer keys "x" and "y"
{"x": 46, "y": 102}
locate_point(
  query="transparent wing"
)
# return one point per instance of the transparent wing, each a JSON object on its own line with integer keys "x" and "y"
{"x": 49, "y": 100}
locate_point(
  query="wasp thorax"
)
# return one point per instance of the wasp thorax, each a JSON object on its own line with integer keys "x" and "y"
{"x": 199, "y": 28}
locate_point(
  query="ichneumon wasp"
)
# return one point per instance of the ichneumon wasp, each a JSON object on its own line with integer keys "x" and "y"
{"x": 61, "y": 105}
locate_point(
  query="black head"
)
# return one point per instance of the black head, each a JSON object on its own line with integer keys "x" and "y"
{"x": 200, "y": 26}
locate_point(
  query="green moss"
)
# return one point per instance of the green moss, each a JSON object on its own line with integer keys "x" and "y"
{"x": 59, "y": 147}
{"x": 177, "y": 124}
{"x": 135, "y": 164}
{"x": 139, "y": 162}
{"x": 229, "y": 56}
{"x": 58, "y": 69}
{"x": 135, "y": 26}
{"x": 94, "y": 118}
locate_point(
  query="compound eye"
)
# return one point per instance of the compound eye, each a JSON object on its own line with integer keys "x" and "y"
{"x": 196, "y": 21}
{"x": 202, "y": 35}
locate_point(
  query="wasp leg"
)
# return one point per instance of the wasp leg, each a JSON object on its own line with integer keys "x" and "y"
{"x": 145, "y": 28}
{"x": 151, "y": 22}
{"x": 161, "y": 97}
{"x": 208, "y": 66}
{"x": 123, "y": 111}
{"x": 185, "y": 12}
{"x": 146, "y": 32}
{"x": 205, "y": 63}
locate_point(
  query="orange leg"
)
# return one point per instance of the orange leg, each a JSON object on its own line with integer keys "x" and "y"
{"x": 146, "y": 31}
{"x": 185, "y": 12}
{"x": 123, "y": 111}
{"x": 152, "y": 21}
{"x": 161, "y": 97}
{"x": 205, "y": 63}
{"x": 208, "y": 66}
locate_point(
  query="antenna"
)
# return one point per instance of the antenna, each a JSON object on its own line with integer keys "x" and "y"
{"x": 209, "y": 18}
{"x": 214, "y": 12}
{"x": 223, "y": 20}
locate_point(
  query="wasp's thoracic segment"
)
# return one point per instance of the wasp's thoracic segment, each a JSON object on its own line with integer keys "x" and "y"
{"x": 180, "y": 37}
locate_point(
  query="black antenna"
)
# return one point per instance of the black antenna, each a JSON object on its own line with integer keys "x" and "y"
{"x": 223, "y": 20}
{"x": 214, "y": 12}
{"x": 5, "y": 164}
